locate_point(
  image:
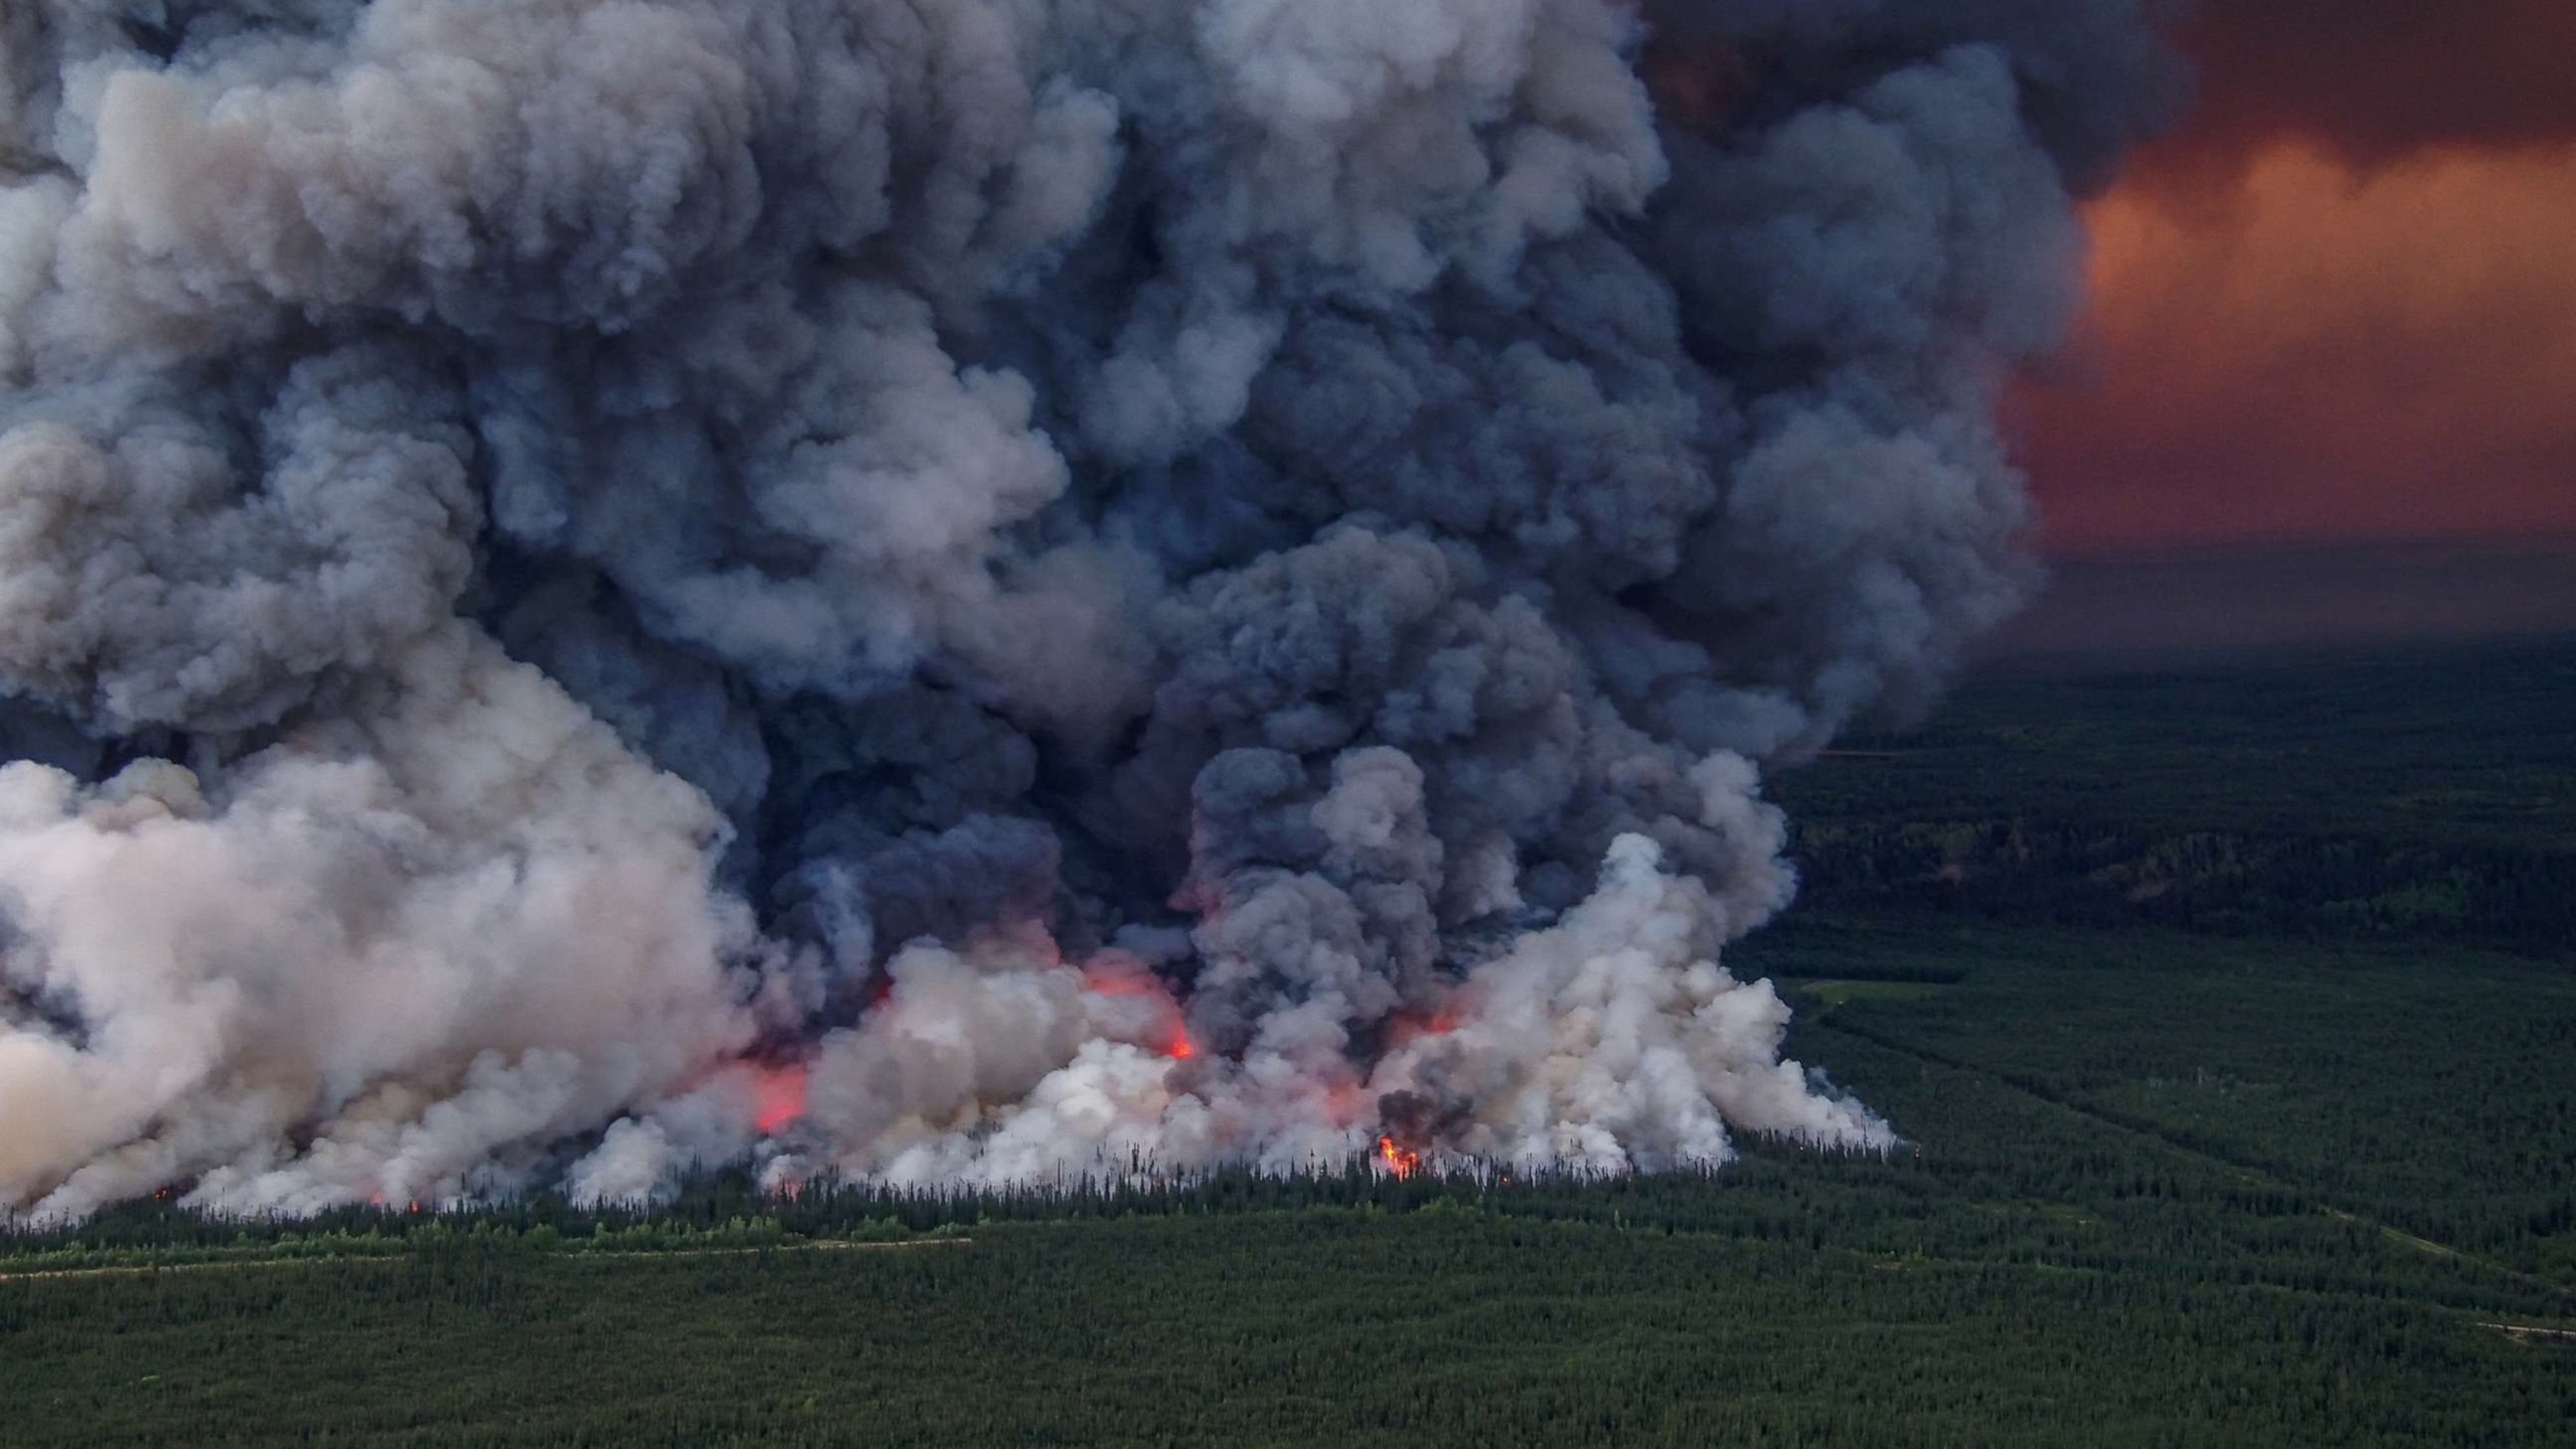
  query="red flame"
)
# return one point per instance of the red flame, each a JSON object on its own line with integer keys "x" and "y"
{"x": 1402, "y": 1161}
{"x": 777, "y": 1097}
{"x": 1404, "y": 1026}
{"x": 1123, "y": 978}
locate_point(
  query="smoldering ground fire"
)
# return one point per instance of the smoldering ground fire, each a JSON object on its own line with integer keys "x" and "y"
{"x": 967, "y": 591}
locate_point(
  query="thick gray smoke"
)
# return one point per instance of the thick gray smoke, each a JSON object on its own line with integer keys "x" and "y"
{"x": 963, "y": 590}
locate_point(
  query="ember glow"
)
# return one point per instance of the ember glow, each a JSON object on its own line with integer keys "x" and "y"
{"x": 778, "y": 1099}
{"x": 1405, "y": 1026}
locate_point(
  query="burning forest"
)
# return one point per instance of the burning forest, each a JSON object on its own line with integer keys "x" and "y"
{"x": 966, "y": 591}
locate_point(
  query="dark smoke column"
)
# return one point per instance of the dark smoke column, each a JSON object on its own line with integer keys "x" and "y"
{"x": 962, "y": 589}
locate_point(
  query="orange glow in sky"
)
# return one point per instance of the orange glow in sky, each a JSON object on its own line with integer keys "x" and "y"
{"x": 778, "y": 1097}
{"x": 2331, "y": 308}
{"x": 2321, "y": 355}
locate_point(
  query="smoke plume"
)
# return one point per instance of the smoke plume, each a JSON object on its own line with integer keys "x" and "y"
{"x": 968, "y": 590}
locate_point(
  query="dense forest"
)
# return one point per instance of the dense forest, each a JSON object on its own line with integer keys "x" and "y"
{"x": 2426, "y": 796}
{"x": 2245, "y": 1169}
{"x": 1324, "y": 1325}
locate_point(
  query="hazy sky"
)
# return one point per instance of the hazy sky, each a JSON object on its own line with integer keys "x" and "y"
{"x": 2341, "y": 303}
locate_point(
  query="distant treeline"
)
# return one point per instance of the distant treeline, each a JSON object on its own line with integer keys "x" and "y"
{"x": 2067, "y": 872}
{"x": 2427, "y": 796}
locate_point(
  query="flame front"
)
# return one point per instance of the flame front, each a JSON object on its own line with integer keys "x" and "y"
{"x": 1400, "y": 1160}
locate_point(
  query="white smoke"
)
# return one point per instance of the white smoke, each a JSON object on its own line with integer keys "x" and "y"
{"x": 427, "y": 935}
{"x": 959, "y": 591}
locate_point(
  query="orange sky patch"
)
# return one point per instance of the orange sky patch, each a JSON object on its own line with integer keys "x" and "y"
{"x": 2320, "y": 352}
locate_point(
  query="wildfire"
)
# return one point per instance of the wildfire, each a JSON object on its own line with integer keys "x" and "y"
{"x": 1405, "y": 1026}
{"x": 1402, "y": 1161}
{"x": 777, "y": 1097}
{"x": 1125, "y": 979}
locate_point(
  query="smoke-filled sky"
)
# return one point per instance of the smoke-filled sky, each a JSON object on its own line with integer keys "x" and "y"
{"x": 970, "y": 590}
{"x": 2340, "y": 302}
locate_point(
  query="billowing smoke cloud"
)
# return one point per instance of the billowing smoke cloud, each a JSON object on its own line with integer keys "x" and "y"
{"x": 966, "y": 590}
